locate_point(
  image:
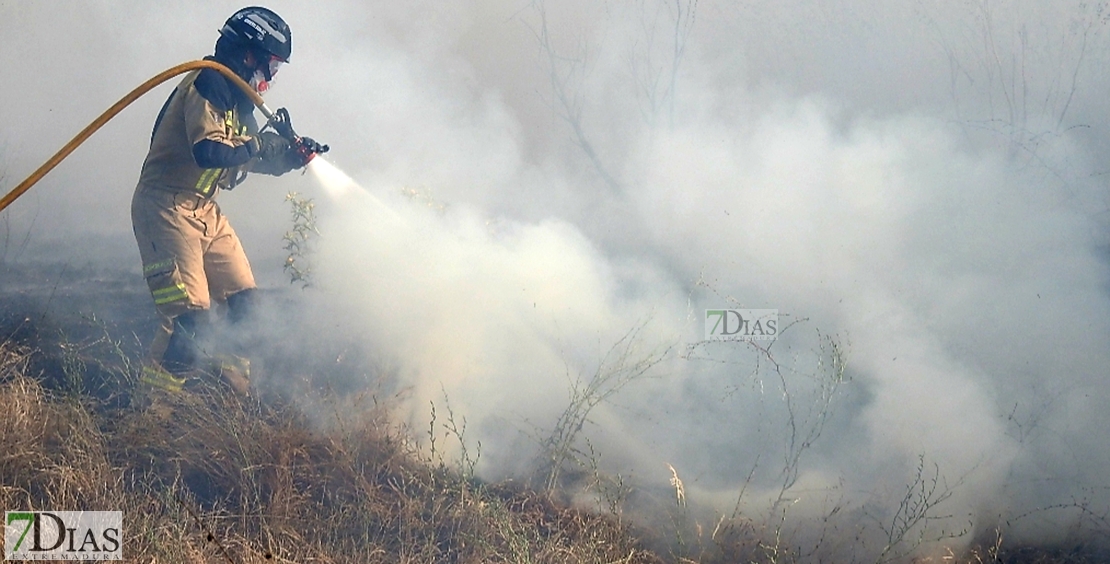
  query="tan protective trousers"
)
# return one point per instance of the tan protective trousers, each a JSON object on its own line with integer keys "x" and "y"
{"x": 191, "y": 255}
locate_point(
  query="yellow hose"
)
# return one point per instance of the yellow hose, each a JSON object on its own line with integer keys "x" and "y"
{"x": 118, "y": 107}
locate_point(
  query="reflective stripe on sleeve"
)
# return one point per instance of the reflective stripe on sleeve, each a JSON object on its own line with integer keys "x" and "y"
{"x": 207, "y": 179}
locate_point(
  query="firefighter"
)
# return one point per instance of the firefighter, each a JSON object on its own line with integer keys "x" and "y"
{"x": 205, "y": 140}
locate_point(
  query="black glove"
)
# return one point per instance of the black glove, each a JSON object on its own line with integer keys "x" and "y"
{"x": 273, "y": 154}
{"x": 271, "y": 146}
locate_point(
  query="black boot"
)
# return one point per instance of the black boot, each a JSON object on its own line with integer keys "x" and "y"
{"x": 183, "y": 351}
{"x": 235, "y": 367}
{"x": 241, "y": 306}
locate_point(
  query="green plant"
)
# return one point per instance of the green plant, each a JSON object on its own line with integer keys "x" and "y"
{"x": 298, "y": 264}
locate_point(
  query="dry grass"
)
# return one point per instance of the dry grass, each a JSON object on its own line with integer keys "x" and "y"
{"x": 205, "y": 477}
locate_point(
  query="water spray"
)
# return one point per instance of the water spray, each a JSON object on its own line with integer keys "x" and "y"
{"x": 338, "y": 185}
{"x": 279, "y": 120}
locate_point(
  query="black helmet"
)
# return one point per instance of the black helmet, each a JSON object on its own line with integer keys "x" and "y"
{"x": 260, "y": 28}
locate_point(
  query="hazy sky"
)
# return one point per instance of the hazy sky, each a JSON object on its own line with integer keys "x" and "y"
{"x": 921, "y": 181}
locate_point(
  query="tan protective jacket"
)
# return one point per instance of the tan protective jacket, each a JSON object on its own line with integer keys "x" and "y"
{"x": 188, "y": 118}
{"x": 190, "y": 253}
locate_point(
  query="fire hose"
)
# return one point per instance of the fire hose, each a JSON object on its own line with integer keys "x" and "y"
{"x": 278, "y": 120}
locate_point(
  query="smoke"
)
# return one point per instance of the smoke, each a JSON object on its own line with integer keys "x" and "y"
{"x": 918, "y": 187}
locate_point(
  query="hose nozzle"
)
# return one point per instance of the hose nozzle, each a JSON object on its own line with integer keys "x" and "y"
{"x": 306, "y": 147}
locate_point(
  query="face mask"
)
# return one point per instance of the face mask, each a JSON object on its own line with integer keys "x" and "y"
{"x": 262, "y": 76}
{"x": 259, "y": 82}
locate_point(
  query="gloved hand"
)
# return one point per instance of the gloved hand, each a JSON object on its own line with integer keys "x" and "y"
{"x": 273, "y": 154}
{"x": 302, "y": 149}
{"x": 271, "y": 146}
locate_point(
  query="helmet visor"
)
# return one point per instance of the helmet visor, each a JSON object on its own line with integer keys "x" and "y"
{"x": 270, "y": 68}
{"x": 275, "y": 64}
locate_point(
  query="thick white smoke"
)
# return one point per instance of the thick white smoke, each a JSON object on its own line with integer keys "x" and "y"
{"x": 919, "y": 183}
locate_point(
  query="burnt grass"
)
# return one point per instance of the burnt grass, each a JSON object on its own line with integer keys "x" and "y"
{"x": 205, "y": 476}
